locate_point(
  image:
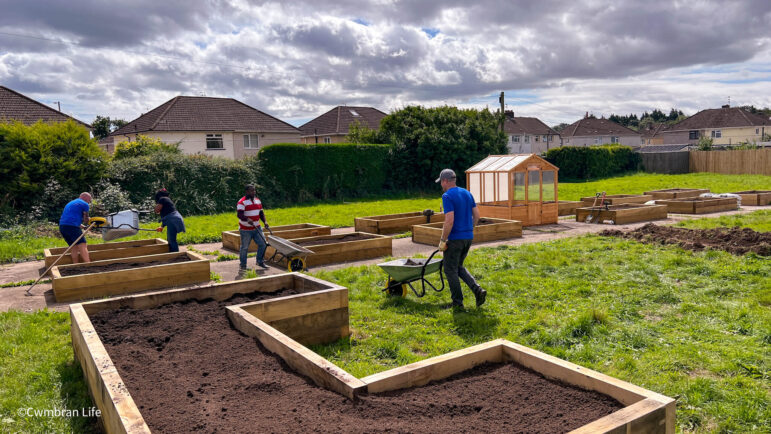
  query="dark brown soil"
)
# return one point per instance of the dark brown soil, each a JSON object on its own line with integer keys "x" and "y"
{"x": 342, "y": 239}
{"x": 74, "y": 271}
{"x": 485, "y": 222}
{"x": 734, "y": 240}
{"x": 188, "y": 370}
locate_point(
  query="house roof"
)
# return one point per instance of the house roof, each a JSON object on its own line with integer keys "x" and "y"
{"x": 338, "y": 120}
{"x": 200, "y": 113}
{"x": 661, "y": 148}
{"x": 523, "y": 125}
{"x": 654, "y": 129}
{"x": 15, "y": 106}
{"x": 725, "y": 117}
{"x": 596, "y": 127}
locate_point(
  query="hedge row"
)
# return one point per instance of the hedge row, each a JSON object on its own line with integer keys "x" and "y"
{"x": 591, "y": 162}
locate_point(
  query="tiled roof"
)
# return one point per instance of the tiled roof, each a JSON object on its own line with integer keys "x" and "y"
{"x": 15, "y": 106}
{"x": 653, "y": 130}
{"x": 199, "y": 113}
{"x": 662, "y": 148}
{"x": 726, "y": 117}
{"x": 523, "y": 125}
{"x": 337, "y": 120}
{"x": 596, "y": 127}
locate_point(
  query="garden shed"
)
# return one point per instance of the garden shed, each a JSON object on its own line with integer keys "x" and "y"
{"x": 515, "y": 187}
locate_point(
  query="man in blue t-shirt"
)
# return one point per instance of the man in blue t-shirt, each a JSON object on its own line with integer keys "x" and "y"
{"x": 74, "y": 215}
{"x": 460, "y": 216}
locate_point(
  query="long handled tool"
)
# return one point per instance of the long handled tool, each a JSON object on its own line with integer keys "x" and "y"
{"x": 593, "y": 217}
{"x": 93, "y": 221}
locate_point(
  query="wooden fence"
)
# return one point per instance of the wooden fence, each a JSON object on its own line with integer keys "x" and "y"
{"x": 666, "y": 162}
{"x": 752, "y": 162}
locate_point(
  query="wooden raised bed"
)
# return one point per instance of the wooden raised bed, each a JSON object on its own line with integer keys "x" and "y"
{"x": 374, "y": 246}
{"x": 755, "y": 197}
{"x": 623, "y": 214}
{"x": 618, "y": 199}
{"x": 120, "y": 413}
{"x": 101, "y": 284}
{"x": 231, "y": 240}
{"x": 100, "y": 252}
{"x": 568, "y": 207}
{"x": 500, "y": 229}
{"x": 676, "y": 193}
{"x": 700, "y": 205}
{"x": 394, "y": 223}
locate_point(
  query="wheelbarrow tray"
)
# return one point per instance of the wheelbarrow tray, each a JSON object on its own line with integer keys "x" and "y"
{"x": 287, "y": 248}
{"x": 402, "y": 272}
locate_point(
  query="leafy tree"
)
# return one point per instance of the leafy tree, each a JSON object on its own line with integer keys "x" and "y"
{"x": 144, "y": 145}
{"x": 362, "y": 134}
{"x": 427, "y": 140}
{"x": 559, "y": 127}
{"x": 103, "y": 126}
{"x": 705, "y": 143}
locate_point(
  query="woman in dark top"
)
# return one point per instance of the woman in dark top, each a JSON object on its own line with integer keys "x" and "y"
{"x": 170, "y": 218}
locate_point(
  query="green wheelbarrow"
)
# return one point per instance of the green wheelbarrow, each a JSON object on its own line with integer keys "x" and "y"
{"x": 403, "y": 272}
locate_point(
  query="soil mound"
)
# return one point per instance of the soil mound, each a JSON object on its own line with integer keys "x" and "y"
{"x": 733, "y": 240}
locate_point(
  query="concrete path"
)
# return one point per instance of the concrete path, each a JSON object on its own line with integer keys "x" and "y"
{"x": 42, "y": 294}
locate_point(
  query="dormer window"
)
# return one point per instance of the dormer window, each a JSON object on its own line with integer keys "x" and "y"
{"x": 354, "y": 113}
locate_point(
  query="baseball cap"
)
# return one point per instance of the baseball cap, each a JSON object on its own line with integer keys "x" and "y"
{"x": 446, "y": 174}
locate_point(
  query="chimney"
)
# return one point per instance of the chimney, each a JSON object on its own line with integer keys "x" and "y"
{"x": 509, "y": 114}
{"x": 586, "y": 115}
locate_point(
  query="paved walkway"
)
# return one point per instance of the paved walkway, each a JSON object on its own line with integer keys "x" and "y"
{"x": 42, "y": 294}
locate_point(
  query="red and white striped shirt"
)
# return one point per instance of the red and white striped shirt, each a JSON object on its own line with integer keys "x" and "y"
{"x": 251, "y": 209}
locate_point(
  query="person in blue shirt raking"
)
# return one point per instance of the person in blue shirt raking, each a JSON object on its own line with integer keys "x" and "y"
{"x": 74, "y": 217}
{"x": 460, "y": 216}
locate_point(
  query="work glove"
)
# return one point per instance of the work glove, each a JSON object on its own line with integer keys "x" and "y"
{"x": 160, "y": 229}
{"x": 442, "y": 245}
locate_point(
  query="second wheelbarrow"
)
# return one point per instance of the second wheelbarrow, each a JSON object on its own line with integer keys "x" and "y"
{"x": 402, "y": 272}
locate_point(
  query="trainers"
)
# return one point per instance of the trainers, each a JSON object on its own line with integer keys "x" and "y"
{"x": 262, "y": 265}
{"x": 481, "y": 296}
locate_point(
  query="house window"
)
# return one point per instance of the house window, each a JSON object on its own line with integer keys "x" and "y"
{"x": 614, "y": 139}
{"x": 354, "y": 113}
{"x": 597, "y": 140}
{"x": 327, "y": 139}
{"x": 536, "y": 138}
{"x": 515, "y": 139}
{"x": 757, "y": 130}
{"x": 545, "y": 138}
{"x": 214, "y": 141}
{"x": 717, "y": 134}
{"x": 693, "y": 135}
{"x": 527, "y": 139}
{"x": 251, "y": 141}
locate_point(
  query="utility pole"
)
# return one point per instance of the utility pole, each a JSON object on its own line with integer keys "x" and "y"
{"x": 503, "y": 115}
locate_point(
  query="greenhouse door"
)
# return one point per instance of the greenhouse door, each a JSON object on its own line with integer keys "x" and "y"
{"x": 533, "y": 196}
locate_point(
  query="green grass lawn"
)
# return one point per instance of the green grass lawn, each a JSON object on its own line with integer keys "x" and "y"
{"x": 26, "y": 242}
{"x": 758, "y": 221}
{"x": 696, "y": 326}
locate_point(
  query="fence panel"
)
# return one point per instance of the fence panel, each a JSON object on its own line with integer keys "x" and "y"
{"x": 749, "y": 161}
{"x": 666, "y": 162}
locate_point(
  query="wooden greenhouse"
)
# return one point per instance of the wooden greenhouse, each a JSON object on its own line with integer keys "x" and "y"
{"x": 515, "y": 187}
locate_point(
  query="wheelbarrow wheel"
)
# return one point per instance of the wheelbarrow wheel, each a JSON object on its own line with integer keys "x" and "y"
{"x": 394, "y": 289}
{"x": 296, "y": 264}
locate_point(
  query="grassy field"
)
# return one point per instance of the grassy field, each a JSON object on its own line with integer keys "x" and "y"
{"x": 759, "y": 221}
{"x": 24, "y": 243}
{"x": 696, "y": 326}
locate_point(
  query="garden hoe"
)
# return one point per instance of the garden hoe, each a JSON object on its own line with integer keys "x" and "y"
{"x": 92, "y": 222}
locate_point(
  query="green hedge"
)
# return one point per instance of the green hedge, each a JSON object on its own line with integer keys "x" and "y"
{"x": 592, "y": 162}
{"x": 293, "y": 172}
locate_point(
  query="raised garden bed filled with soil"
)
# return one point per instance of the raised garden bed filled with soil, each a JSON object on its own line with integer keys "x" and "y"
{"x": 100, "y": 252}
{"x": 126, "y": 275}
{"x": 676, "y": 193}
{"x": 330, "y": 249}
{"x": 699, "y": 205}
{"x": 618, "y": 199}
{"x": 733, "y": 240}
{"x": 394, "y": 223}
{"x": 622, "y": 214}
{"x": 755, "y": 197}
{"x": 231, "y": 240}
{"x": 488, "y": 229}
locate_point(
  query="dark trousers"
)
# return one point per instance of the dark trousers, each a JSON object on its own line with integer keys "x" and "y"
{"x": 171, "y": 237}
{"x": 454, "y": 270}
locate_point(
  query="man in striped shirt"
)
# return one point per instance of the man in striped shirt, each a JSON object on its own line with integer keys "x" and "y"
{"x": 249, "y": 215}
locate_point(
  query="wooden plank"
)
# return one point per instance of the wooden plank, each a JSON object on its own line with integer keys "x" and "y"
{"x": 755, "y": 197}
{"x": 231, "y": 240}
{"x": 323, "y": 372}
{"x": 676, "y": 193}
{"x": 735, "y": 162}
{"x": 296, "y": 305}
{"x": 623, "y": 214}
{"x": 646, "y": 416}
{"x": 568, "y": 207}
{"x": 619, "y": 199}
{"x": 500, "y": 230}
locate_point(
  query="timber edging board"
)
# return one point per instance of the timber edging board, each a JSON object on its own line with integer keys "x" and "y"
{"x": 618, "y": 199}
{"x": 676, "y": 193}
{"x": 100, "y": 252}
{"x": 568, "y": 207}
{"x": 755, "y": 197}
{"x": 699, "y": 205}
{"x": 96, "y": 285}
{"x": 394, "y": 223}
{"x": 499, "y": 230}
{"x": 623, "y": 214}
{"x": 120, "y": 413}
{"x": 375, "y": 246}
{"x": 231, "y": 240}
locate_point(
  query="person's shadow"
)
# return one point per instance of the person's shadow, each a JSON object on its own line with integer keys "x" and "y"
{"x": 475, "y": 324}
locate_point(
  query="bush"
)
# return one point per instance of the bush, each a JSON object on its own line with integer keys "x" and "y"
{"x": 427, "y": 140}
{"x": 591, "y": 162}
{"x": 144, "y": 145}
{"x": 293, "y": 172}
{"x": 705, "y": 143}
{"x": 198, "y": 184}
{"x": 44, "y": 166}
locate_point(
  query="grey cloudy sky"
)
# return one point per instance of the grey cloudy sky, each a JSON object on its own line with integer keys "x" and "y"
{"x": 295, "y": 60}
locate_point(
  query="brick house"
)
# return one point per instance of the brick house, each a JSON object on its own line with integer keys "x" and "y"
{"x": 591, "y": 131}
{"x": 726, "y": 126}
{"x": 528, "y": 135}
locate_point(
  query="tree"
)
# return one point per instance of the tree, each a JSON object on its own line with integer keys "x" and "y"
{"x": 103, "y": 126}
{"x": 360, "y": 133}
{"x": 705, "y": 143}
{"x": 144, "y": 145}
{"x": 559, "y": 127}
{"x": 427, "y": 140}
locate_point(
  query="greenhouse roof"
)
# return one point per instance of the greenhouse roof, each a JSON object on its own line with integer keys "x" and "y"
{"x": 502, "y": 163}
